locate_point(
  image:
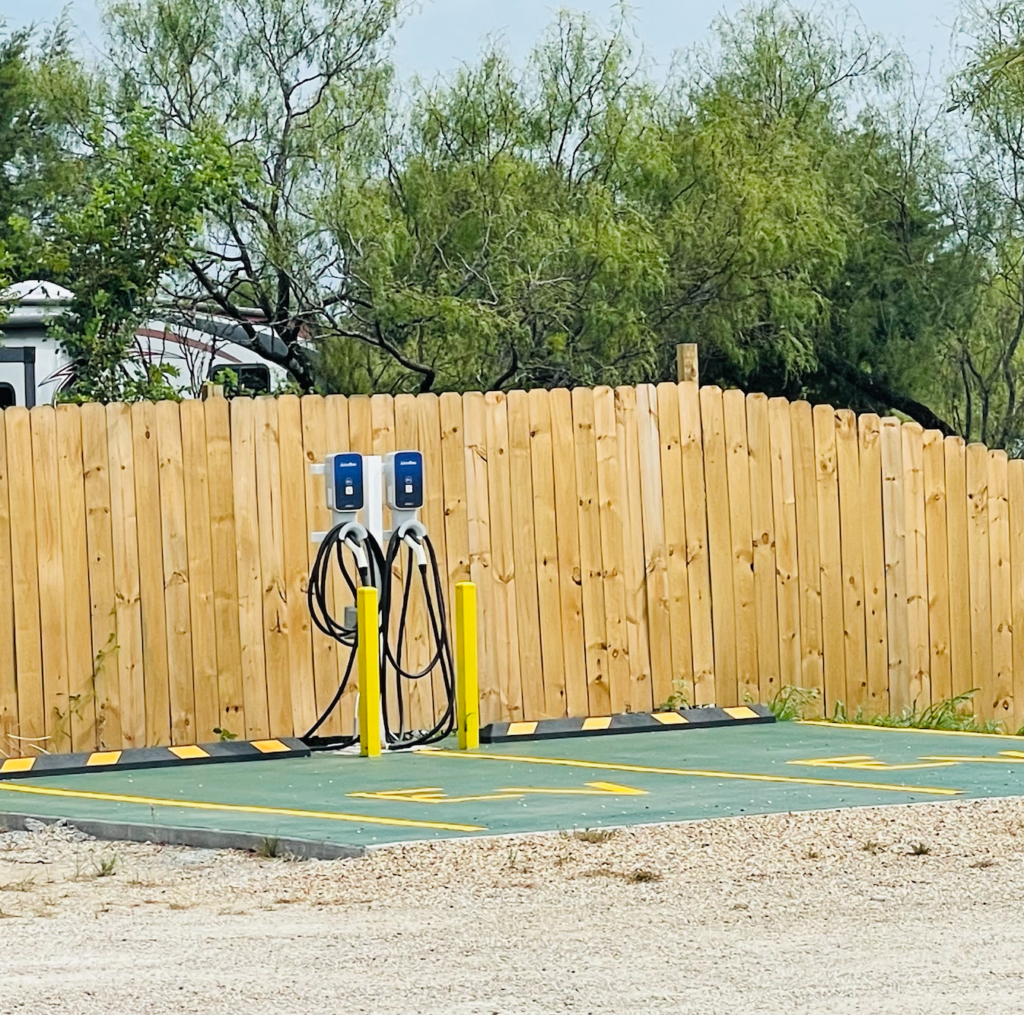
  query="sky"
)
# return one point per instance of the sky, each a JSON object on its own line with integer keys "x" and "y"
{"x": 441, "y": 34}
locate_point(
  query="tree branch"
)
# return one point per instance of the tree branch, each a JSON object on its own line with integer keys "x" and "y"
{"x": 883, "y": 393}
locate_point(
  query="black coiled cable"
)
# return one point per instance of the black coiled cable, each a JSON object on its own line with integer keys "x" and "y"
{"x": 441, "y": 659}
{"x": 333, "y": 546}
{"x": 379, "y": 571}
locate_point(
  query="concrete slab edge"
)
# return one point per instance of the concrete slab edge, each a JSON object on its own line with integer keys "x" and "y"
{"x": 199, "y": 838}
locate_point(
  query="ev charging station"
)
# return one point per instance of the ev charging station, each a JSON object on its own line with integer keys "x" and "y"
{"x": 356, "y": 487}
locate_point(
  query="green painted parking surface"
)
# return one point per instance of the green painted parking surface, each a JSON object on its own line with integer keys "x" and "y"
{"x": 543, "y": 786}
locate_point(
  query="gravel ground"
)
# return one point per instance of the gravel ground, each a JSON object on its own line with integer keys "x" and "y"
{"x": 902, "y": 910}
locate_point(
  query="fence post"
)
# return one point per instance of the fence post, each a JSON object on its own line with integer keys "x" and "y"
{"x": 467, "y": 691}
{"x": 687, "y": 363}
{"x": 368, "y": 634}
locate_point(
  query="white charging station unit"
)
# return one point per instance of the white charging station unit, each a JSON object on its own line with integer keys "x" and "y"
{"x": 355, "y": 484}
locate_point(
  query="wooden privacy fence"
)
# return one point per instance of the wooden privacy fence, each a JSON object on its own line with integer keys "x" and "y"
{"x": 626, "y": 544}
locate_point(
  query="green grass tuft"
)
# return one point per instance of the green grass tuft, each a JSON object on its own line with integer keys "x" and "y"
{"x": 679, "y": 698}
{"x": 953, "y": 713}
{"x": 789, "y": 702}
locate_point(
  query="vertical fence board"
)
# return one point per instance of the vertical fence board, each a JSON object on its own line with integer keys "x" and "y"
{"x": 50, "y": 562}
{"x": 808, "y": 549}
{"x": 673, "y": 512}
{"x": 416, "y": 650}
{"x": 151, "y": 574}
{"x": 697, "y": 556}
{"x": 573, "y": 640}
{"x": 296, "y": 563}
{"x": 875, "y": 617}
{"x": 894, "y": 523}
{"x": 250, "y": 574}
{"x": 25, "y": 583}
{"x": 938, "y": 574}
{"x": 787, "y": 585}
{"x": 429, "y": 422}
{"x": 491, "y": 551}
{"x": 275, "y": 594}
{"x": 546, "y": 545}
{"x": 851, "y": 527}
{"x": 524, "y": 553}
{"x": 917, "y": 567}
{"x": 610, "y": 483}
{"x": 102, "y": 600}
{"x": 1015, "y": 484}
{"x": 382, "y": 425}
{"x": 734, "y": 404}
{"x": 628, "y": 439}
{"x": 231, "y": 695}
{"x": 961, "y": 653}
{"x": 360, "y": 425}
{"x": 8, "y": 681}
{"x": 456, "y": 525}
{"x": 719, "y": 546}
{"x": 762, "y": 523}
{"x": 315, "y": 445}
{"x": 826, "y": 473}
{"x": 999, "y": 703}
{"x": 342, "y": 719}
{"x": 81, "y": 690}
{"x": 124, "y": 525}
{"x": 980, "y": 584}
{"x": 174, "y": 535}
{"x": 591, "y": 563}
{"x": 652, "y": 502}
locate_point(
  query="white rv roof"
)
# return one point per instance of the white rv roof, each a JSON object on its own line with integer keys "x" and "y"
{"x": 34, "y": 291}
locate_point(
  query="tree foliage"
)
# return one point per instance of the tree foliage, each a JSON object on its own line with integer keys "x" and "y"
{"x": 789, "y": 196}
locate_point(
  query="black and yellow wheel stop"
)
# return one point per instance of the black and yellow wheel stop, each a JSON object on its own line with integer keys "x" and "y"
{"x": 626, "y": 722}
{"x": 152, "y": 757}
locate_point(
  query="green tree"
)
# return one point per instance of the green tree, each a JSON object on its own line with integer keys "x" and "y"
{"x": 144, "y": 209}
{"x": 285, "y": 83}
{"x": 984, "y": 201}
{"x": 36, "y": 170}
{"x": 498, "y": 244}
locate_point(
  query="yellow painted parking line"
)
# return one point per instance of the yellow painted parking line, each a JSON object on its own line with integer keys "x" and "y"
{"x": 888, "y": 787}
{"x": 905, "y": 729}
{"x": 870, "y": 763}
{"x": 594, "y": 789}
{"x": 597, "y": 722}
{"x": 204, "y": 805}
{"x": 1004, "y": 758}
{"x": 413, "y": 796}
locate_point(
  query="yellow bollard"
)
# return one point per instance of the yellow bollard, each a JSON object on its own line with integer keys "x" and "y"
{"x": 368, "y": 661}
{"x": 467, "y": 687}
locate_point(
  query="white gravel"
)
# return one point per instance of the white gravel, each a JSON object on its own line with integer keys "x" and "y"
{"x": 830, "y": 912}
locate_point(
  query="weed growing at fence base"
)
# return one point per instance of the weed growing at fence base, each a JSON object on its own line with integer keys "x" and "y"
{"x": 789, "y": 702}
{"x": 679, "y": 698}
{"x": 949, "y": 714}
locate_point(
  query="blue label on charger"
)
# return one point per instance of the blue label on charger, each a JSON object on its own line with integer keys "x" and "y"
{"x": 408, "y": 467}
{"x": 348, "y": 482}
